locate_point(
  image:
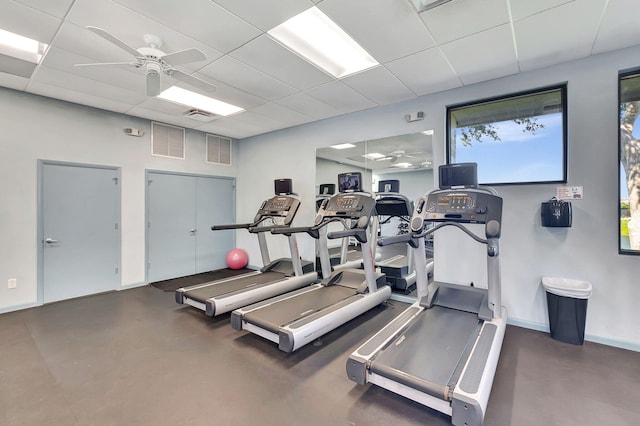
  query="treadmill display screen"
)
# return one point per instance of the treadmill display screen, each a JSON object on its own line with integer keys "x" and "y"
{"x": 454, "y": 203}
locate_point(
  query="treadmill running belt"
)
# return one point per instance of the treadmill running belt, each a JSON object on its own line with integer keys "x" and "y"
{"x": 272, "y": 317}
{"x": 425, "y": 356}
{"x": 202, "y": 294}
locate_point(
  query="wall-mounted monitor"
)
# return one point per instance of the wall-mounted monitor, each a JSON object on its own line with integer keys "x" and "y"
{"x": 389, "y": 185}
{"x": 458, "y": 175}
{"x": 283, "y": 186}
{"x": 327, "y": 189}
{"x": 350, "y": 182}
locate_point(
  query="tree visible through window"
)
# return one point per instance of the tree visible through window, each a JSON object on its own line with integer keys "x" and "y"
{"x": 629, "y": 168}
{"x": 515, "y": 139}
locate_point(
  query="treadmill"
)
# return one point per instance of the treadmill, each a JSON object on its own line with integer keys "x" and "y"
{"x": 276, "y": 277}
{"x": 443, "y": 350}
{"x": 399, "y": 269}
{"x": 295, "y": 319}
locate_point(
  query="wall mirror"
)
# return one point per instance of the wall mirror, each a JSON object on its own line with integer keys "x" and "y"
{"x": 407, "y": 158}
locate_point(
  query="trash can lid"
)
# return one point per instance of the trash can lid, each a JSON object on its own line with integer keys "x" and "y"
{"x": 567, "y": 287}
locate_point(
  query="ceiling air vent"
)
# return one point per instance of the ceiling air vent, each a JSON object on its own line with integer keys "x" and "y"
{"x": 200, "y": 115}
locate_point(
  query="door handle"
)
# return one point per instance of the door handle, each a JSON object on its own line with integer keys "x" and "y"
{"x": 50, "y": 241}
{"x": 193, "y": 231}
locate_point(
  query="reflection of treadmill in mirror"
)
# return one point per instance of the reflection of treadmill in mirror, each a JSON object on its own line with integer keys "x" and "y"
{"x": 443, "y": 350}
{"x": 295, "y": 319}
{"x": 276, "y": 277}
{"x": 394, "y": 211}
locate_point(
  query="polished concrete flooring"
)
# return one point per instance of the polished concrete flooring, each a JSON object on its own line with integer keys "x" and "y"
{"x": 136, "y": 358}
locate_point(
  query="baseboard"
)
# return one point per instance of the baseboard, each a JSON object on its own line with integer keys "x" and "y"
{"x": 588, "y": 337}
{"x": 19, "y": 307}
{"x": 133, "y": 285}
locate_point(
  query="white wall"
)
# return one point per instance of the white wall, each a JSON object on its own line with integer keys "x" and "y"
{"x": 586, "y": 251}
{"x": 34, "y": 128}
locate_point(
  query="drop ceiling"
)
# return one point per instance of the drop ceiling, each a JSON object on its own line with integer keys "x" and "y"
{"x": 459, "y": 43}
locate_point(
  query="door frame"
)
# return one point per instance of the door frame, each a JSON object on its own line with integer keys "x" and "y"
{"x": 146, "y": 206}
{"x": 40, "y": 234}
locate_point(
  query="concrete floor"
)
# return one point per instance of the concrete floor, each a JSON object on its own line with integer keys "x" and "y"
{"x": 135, "y": 358}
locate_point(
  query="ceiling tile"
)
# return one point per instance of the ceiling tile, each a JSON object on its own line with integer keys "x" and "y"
{"x": 269, "y": 56}
{"x": 564, "y": 38}
{"x": 264, "y": 14}
{"x": 523, "y": 8}
{"x": 160, "y": 105}
{"x": 78, "y": 97}
{"x": 13, "y": 81}
{"x": 473, "y": 62}
{"x": 202, "y": 20}
{"x": 282, "y": 114}
{"x": 57, "y": 8}
{"x": 425, "y": 72}
{"x": 308, "y": 106}
{"x": 341, "y": 96}
{"x": 241, "y": 75}
{"x": 28, "y": 22}
{"x": 620, "y": 26}
{"x": 53, "y": 77}
{"x": 461, "y": 18}
{"x": 228, "y": 127}
{"x": 372, "y": 27}
{"x": 379, "y": 85}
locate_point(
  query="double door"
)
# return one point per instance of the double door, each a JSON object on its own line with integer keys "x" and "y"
{"x": 180, "y": 211}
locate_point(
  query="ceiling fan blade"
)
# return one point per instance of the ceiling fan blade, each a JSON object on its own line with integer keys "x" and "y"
{"x": 184, "y": 56}
{"x": 115, "y": 40}
{"x": 191, "y": 80}
{"x": 152, "y": 83}
{"x": 108, "y": 64}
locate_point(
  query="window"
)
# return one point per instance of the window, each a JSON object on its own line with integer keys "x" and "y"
{"x": 629, "y": 163}
{"x": 515, "y": 139}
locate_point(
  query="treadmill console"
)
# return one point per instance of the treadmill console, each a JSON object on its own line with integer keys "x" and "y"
{"x": 347, "y": 206}
{"x": 461, "y": 206}
{"x": 284, "y": 206}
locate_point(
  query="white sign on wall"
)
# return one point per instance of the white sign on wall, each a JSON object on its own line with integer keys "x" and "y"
{"x": 569, "y": 192}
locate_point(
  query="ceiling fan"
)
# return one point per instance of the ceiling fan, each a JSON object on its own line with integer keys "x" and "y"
{"x": 397, "y": 155}
{"x": 154, "y": 61}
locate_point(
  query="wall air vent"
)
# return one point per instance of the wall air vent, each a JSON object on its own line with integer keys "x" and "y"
{"x": 218, "y": 150}
{"x": 200, "y": 115}
{"x": 167, "y": 141}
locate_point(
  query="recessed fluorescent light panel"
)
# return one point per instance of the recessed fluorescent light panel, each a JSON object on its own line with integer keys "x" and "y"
{"x": 20, "y": 47}
{"x": 374, "y": 156}
{"x": 314, "y": 36}
{"x": 343, "y": 146}
{"x": 191, "y": 99}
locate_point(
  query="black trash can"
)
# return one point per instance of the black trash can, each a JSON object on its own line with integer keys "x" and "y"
{"x": 567, "y": 304}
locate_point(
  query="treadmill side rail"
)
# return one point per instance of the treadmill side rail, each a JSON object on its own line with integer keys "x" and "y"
{"x": 471, "y": 406}
{"x": 297, "y": 334}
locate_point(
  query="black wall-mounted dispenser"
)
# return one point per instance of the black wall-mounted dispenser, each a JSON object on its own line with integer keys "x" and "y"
{"x": 556, "y": 213}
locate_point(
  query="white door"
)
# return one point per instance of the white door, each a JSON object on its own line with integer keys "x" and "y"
{"x": 81, "y": 236}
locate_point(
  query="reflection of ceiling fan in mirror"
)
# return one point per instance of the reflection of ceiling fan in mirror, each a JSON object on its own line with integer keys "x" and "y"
{"x": 399, "y": 155}
{"x": 155, "y": 61}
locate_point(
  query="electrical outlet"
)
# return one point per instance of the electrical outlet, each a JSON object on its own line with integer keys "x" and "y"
{"x": 12, "y": 283}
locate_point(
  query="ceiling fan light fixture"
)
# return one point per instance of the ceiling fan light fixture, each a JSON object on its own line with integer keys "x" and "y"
{"x": 21, "y": 47}
{"x": 315, "y": 37}
{"x": 374, "y": 156}
{"x": 195, "y": 100}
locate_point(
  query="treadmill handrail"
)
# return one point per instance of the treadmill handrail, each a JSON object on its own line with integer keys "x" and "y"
{"x": 313, "y": 231}
{"x": 268, "y": 228}
{"x": 457, "y": 225}
{"x": 359, "y": 234}
{"x": 231, "y": 226}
